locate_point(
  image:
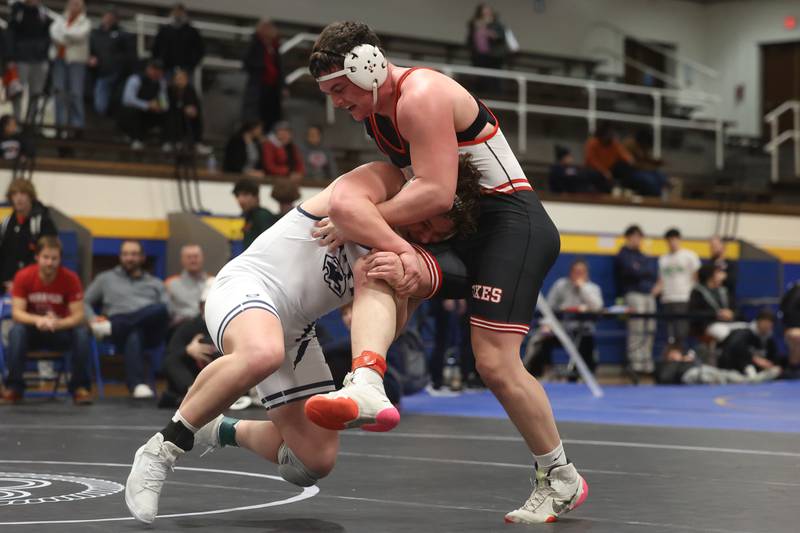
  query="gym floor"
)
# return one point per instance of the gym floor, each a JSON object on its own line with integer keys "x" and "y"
{"x": 657, "y": 459}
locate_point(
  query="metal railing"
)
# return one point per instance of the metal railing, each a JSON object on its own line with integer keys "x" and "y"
{"x": 147, "y": 25}
{"x": 777, "y": 139}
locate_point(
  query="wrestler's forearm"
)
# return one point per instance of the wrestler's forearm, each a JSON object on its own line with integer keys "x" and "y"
{"x": 359, "y": 220}
{"x": 420, "y": 200}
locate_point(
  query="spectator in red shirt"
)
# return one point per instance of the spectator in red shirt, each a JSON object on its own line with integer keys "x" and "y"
{"x": 281, "y": 155}
{"x": 47, "y": 309}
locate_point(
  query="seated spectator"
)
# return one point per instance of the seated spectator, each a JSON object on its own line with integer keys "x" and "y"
{"x": 566, "y": 176}
{"x": 144, "y": 104}
{"x": 112, "y": 56}
{"x": 185, "y": 116}
{"x": 286, "y": 193}
{"x": 47, "y": 309}
{"x": 753, "y": 346}
{"x": 636, "y": 276}
{"x": 70, "y": 37}
{"x": 12, "y": 143}
{"x": 20, "y": 230}
{"x": 184, "y": 289}
{"x": 711, "y": 301}
{"x": 320, "y": 163}
{"x": 178, "y": 45}
{"x": 572, "y": 293}
{"x": 257, "y": 219}
{"x": 678, "y": 368}
{"x": 717, "y": 251}
{"x": 606, "y": 155}
{"x": 189, "y": 350}
{"x": 790, "y": 309}
{"x": 281, "y": 155}
{"x": 243, "y": 151}
{"x": 133, "y": 306}
{"x": 647, "y": 167}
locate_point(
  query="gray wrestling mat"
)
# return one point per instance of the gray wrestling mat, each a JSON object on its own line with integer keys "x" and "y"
{"x": 63, "y": 468}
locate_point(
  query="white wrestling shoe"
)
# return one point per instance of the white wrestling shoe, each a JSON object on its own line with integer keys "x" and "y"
{"x": 354, "y": 405}
{"x": 555, "y": 493}
{"x": 151, "y": 464}
{"x": 207, "y": 437}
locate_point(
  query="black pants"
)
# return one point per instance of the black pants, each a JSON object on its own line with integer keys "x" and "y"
{"x": 136, "y": 123}
{"x": 543, "y": 354}
{"x": 180, "y": 371}
{"x": 181, "y": 128}
{"x": 263, "y": 102}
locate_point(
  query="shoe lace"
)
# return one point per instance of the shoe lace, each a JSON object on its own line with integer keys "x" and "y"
{"x": 156, "y": 473}
{"x": 541, "y": 491}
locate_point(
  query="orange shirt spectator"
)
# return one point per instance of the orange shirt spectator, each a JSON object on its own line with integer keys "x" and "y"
{"x": 602, "y": 156}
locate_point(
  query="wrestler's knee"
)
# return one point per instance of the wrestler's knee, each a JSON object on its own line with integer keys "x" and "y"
{"x": 262, "y": 356}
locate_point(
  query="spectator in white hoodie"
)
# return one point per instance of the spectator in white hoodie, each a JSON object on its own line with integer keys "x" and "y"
{"x": 70, "y": 54}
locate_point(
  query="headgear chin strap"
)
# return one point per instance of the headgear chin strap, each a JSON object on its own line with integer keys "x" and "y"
{"x": 365, "y": 66}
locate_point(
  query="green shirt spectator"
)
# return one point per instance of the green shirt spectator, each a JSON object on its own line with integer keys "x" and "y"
{"x": 257, "y": 219}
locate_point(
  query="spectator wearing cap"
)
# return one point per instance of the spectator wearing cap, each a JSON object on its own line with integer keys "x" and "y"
{"x": 70, "y": 53}
{"x": 189, "y": 350}
{"x": 144, "y": 103}
{"x": 21, "y": 229}
{"x": 263, "y": 96}
{"x": 566, "y": 176}
{"x": 636, "y": 276}
{"x": 677, "y": 273}
{"x": 752, "y": 346}
{"x": 178, "y": 45}
{"x": 243, "y": 151}
{"x": 281, "y": 155}
{"x": 257, "y": 219}
{"x": 112, "y": 56}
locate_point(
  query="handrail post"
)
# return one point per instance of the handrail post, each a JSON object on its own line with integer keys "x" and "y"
{"x": 522, "y": 114}
{"x": 657, "y": 124}
{"x": 796, "y": 135}
{"x": 591, "y": 114}
{"x": 140, "y": 36}
{"x": 773, "y": 134}
{"x": 720, "y": 144}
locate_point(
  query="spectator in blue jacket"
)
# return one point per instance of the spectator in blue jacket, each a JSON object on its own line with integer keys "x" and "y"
{"x": 636, "y": 275}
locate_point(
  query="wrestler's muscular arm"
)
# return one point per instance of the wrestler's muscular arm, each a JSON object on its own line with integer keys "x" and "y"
{"x": 425, "y": 117}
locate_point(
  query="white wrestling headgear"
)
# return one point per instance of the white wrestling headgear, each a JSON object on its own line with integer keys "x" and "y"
{"x": 365, "y": 66}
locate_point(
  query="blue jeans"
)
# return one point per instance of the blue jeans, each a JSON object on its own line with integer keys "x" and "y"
{"x": 22, "y": 339}
{"x": 103, "y": 89}
{"x": 68, "y": 81}
{"x": 133, "y": 333}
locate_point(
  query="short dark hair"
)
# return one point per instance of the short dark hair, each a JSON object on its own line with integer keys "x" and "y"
{"x": 633, "y": 229}
{"x": 672, "y": 232}
{"x": 336, "y": 40}
{"x": 49, "y": 241}
{"x": 249, "y": 125}
{"x": 766, "y": 314}
{"x": 706, "y": 272}
{"x": 155, "y": 63}
{"x": 579, "y": 261}
{"x": 134, "y": 241}
{"x": 285, "y": 191}
{"x": 465, "y": 210}
{"x": 246, "y": 186}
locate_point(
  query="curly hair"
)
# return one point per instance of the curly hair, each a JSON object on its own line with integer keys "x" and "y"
{"x": 336, "y": 40}
{"x": 466, "y": 206}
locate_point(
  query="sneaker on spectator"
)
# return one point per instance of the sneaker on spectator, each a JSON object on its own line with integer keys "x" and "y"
{"x": 440, "y": 392}
{"x": 101, "y": 329}
{"x": 555, "y": 492}
{"x": 142, "y": 391}
{"x": 137, "y": 145}
{"x": 202, "y": 149}
{"x": 82, "y": 396}
{"x": 768, "y": 374}
{"x": 11, "y": 396}
{"x": 167, "y": 147}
